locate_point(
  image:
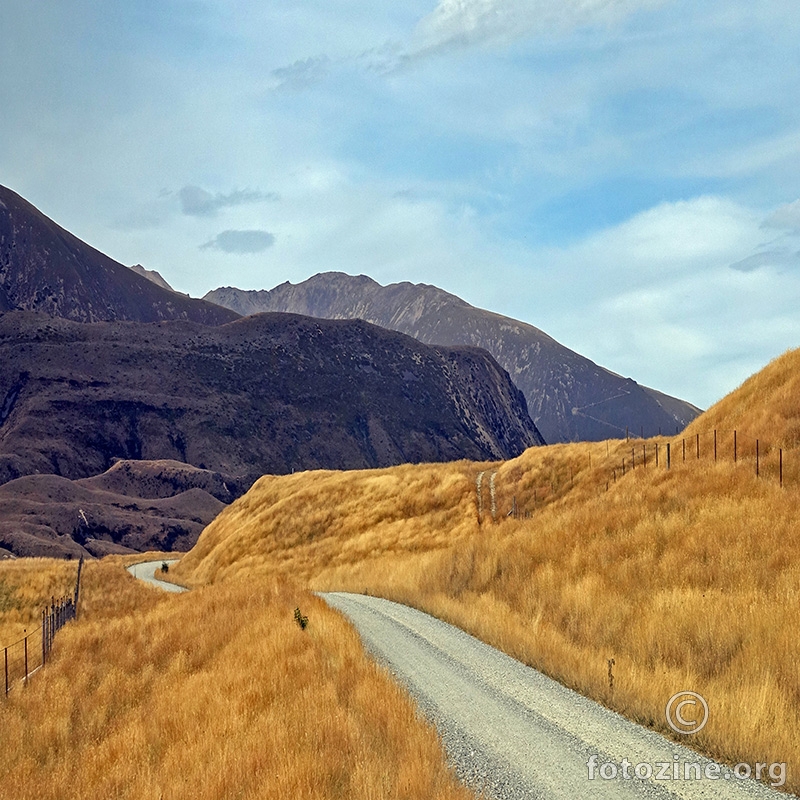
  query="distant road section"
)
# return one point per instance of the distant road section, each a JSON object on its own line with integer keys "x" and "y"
{"x": 146, "y": 571}
{"x": 514, "y": 733}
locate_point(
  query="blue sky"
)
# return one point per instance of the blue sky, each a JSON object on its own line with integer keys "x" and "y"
{"x": 623, "y": 174}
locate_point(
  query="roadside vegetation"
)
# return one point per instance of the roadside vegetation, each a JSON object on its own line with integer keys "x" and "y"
{"x": 688, "y": 578}
{"x": 214, "y": 694}
{"x": 26, "y": 586}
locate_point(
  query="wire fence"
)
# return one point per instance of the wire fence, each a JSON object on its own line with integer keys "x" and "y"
{"x": 752, "y": 453}
{"x": 23, "y": 658}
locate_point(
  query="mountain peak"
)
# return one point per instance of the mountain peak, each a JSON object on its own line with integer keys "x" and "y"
{"x": 45, "y": 268}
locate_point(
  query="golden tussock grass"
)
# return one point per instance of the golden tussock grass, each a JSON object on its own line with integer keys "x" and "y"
{"x": 213, "y": 694}
{"x": 26, "y": 586}
{"x": 687, "y": 578}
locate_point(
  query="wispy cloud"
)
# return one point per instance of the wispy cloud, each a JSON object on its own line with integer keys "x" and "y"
{"x": 786, "y": 218}
{"x": 303, "y": 73}
{"x": 780, "y": 253}
{"x": 252, "y": 241}
{"x": 779, "y": 257}
{"x": 461, "y": 23}
{"x": 197, "y": 202}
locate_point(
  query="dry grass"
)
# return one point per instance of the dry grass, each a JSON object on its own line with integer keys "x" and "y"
{"x": 765, "y": 406}
{"x": 26, "y": 586}
{"x": 213, "y": 695}
{"x": 688, "y": 578}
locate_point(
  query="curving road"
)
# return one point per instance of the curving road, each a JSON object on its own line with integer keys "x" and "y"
{"x": 514, "y": 733}
{"x": 146, "y": 571}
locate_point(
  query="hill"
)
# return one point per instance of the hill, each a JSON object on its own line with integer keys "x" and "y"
{"x": 272, "y": 393}
{"x": 569, "y": 397}
{"x": 687, "y": 576}
{"x": 46, "y": 269}
{"x": 133, "y": 506}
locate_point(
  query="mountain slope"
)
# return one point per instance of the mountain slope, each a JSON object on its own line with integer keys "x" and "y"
{"x": 265, "y": 394}
{"x": 45, "y": 268}
{"x": 569, "y": 397}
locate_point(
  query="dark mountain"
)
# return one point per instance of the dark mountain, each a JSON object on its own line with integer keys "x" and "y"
{"x": 266, "y": 394}
{"x": 45, "y": 268}
{"x": 569, "y": 397}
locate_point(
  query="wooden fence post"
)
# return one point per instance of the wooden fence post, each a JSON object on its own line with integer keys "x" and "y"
{"x": 26, "y": 657}
{"x": 734, "y": 447}
{"x": 715, "y": 445}
{"x": 668, "y": 457}
{"x": 781, "y": 466}
{"x": 757, "y": 470}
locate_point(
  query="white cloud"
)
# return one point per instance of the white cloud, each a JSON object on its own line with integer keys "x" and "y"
{"x": 458, "y": 23}
{"x": 654, "y": 298}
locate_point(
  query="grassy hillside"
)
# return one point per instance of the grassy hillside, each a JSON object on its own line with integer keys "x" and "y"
{"x": 767, "y": 405}
{"x": 26, "y": 586}
{"x": 689, "y": 578}
{"x": 216, "y": 694}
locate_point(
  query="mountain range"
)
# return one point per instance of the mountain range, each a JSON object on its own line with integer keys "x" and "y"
{"x": 570, "y": 398}
{"x": 106, "y": 372}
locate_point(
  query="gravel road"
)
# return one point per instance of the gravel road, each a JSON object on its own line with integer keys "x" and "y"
{"x": 514, "y": 733}
{"x": 146, "y": 571}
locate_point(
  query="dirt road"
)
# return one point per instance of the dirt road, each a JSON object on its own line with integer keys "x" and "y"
{"x": 146, "y": 571}
{"x": 517, "y": 734}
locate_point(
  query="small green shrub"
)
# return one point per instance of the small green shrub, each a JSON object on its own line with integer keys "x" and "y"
{"x": 300, "y": 619}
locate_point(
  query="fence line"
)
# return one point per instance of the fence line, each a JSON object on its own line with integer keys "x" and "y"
{"x": 766, "y": 461}
{"x": 691, "y": 450}
{"x": 30, "y": 653}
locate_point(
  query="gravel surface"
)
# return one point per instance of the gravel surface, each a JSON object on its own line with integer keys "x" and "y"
{"x": 514, "y": 733}
{"x": 146, "y": 571}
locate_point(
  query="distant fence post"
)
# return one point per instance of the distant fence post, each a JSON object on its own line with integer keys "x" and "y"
{"x": 669, "y": 460}
{"x": 78, "y": 582}
{"x": 734, "y": 447}
{"x": 757, "y": 470}
{"x": 715, "y": 445}
{"x": 781, "y": 466}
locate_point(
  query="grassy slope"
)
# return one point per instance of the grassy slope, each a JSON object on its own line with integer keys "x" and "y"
{"x": 210, "y": 695}
{"x": 688, "y": 578}
{"x": 26, "y": 586}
